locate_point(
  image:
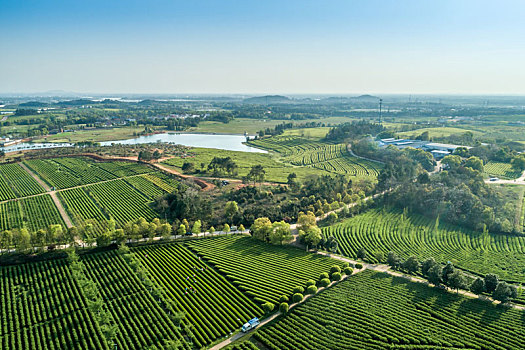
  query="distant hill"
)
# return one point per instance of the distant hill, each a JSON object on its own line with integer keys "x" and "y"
{"x": 366, "y": 97}
{"x": 33, "y": 104}
{"x": 79, "y": 102}
{"x": 269, "y": 99}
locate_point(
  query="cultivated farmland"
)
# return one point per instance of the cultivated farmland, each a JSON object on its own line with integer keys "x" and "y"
{"x": 10, "y": 215}
{"x": 372, "y": 310}
{"x": 40, "y": 212}
{"x": 21, "y": 183}
{"x": 129, "y": 206}
{"x": 383, "y": 230}
{"x": 333, "y": 158}
{"x": 42, "y": 307}
{"x": 264, "y": 272}
{"x": 213, "y": 306}
{"x": 141, "y": 322}
{"x": 82, "y": 208}
{"x": 70, "y": 172}
{"x": 502, "y": 170}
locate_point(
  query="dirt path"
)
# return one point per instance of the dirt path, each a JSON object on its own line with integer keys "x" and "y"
{"x": 293, "y": 227}
{"x": 61, "y": 210}
{"x": 386, "y": 269}
{"x": 53, "y": 194}
{"x": 205, "y": 185}
{"x": 39, "y": 180}
{"x": 70, "y": 188}
{"x": 349, "y": 148}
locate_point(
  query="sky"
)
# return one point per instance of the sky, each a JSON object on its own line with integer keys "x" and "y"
{"x": 263, "y": 47}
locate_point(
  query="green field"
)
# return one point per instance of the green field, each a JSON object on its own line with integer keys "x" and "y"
{"x": 372, "y": 310}
{"x": 262, "y": 271}
{"x": 142, "y": 323}
{"x": 501, "y": 170}
{"x": 16, "y": 182}
{"x": 333, "y": 158}
{"x": 70, "y": 172}
{"x": 213, "y": 306}
{"x": 308, "y": 133}
{"x": 40, "y": 212}
{"x": 81, "y": 208}
{"x": 252, "y": 126}
{"x": 437, "y": 132}
{"x": 275, "y": 171}
{"x": 383, "y": 230}
{"x": 10, "y": 215}
{"x": 130, "y": 205}
{"x": 42, "y": 307}
{"x": 86, "y": 188}
{"x": 95, "y": 135}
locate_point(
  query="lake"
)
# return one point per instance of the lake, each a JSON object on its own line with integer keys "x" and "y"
{"x": 225, "y": 142}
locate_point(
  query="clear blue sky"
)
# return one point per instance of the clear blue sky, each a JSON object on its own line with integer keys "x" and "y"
{"x": 223, "y": 46}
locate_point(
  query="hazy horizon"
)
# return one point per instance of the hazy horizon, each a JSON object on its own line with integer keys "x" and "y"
{"x": 242, "y": 48}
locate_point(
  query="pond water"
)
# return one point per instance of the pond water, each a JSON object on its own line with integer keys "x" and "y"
{"x": 225, "y": 142}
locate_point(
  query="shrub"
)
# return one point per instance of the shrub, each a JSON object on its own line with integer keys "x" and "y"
{"x": 335, "y": 268}
{"x": 311, "y": 290}
{"x": 284, "y": 307}
{"x": 324, "y": 275}
{"x": 297, "y": 297}
{"x": 268, "y": 307}
{"x": 336, "y": 276}
{"x": 345, "y": 264}
{"x": 324, "y": 282}
{"x": 283, "y": 299}
{"x": 348, "y": 271}
{"x": 359, "y": 266}
{"x": 310, "y": 283}
{"x": 298, "y": 289}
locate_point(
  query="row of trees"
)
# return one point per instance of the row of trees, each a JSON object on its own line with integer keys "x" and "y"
{"x": 454, "y": 278}
{"x": 276, "y": 233}
{"x": 25, "y": 241}
{"x": 94, "y": 300}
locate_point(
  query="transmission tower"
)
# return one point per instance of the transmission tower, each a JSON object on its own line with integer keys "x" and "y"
{"x": 380, "y": 109}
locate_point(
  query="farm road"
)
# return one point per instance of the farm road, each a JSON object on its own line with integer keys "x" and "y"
{"x": 386, "y": 269}
{"x": 518, "y": 181}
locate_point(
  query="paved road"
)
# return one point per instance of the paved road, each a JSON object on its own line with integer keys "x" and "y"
{"x": 518, "y": 181}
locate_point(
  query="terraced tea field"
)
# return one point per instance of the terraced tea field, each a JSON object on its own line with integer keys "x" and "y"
{"x": 42, "y": 307}
{"x": 67, "y": 172}
{"x": 262, "y": 271}
{"x": 333, "y": 158}
{"x": 142, "y": 323}
{"x": 40, "y": 212}
{"x": 86, "y": 188}
{"x": 501, "y": 170}
{"x": 382, "y": 230}
{"x": 213, "y": 306}
{"x": 372, "y": 310}
{"x": 16, "y": 182}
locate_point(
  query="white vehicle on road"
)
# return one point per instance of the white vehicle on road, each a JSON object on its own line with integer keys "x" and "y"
{"x": 251, "y": 324}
